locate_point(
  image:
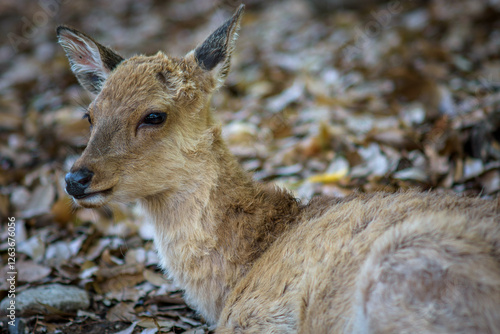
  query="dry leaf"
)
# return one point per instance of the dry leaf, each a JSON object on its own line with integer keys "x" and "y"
{"x": 164, "y": 325}
{"x": 122, "y": 311}
{"x": 155, "y": 278}
{"x": 128, "y": 330}
{"x": 310, "y": 101}
{"x": 30, "y": 272}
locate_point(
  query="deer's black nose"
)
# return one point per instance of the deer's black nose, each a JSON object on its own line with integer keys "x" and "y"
{"x": 77, "y": 182}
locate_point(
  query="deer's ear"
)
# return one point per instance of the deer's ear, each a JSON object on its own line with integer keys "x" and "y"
{"x": 90, "y": 61}
{"x": 214, "y": 54}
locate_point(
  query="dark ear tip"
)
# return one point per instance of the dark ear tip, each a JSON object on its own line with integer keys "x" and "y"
{"x": 64, "y": 28}
{"x": 60, "y": 29}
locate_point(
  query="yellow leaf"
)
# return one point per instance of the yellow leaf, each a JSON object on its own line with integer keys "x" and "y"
{"x": 329, "y": 177}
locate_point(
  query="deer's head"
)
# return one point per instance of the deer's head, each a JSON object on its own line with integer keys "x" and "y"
{"x": 149, "y": 118}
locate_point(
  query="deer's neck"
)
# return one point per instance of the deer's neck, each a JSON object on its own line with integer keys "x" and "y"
{"x": 209, "y": 233}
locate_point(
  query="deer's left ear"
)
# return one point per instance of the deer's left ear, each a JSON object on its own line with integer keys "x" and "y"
{"x": 214, "y": 54}
{"x": 90, "y": 61}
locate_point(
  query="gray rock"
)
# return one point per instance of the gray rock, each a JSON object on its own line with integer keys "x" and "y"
{"x": 62, "y": 297}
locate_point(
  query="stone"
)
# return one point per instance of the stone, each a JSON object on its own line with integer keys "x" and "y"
{"x": 65, "y": 298}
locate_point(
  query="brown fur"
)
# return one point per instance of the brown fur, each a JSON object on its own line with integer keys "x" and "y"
{"x": 250, "y": 257}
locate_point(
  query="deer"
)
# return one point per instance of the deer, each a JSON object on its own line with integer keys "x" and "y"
{"x": 250, "y": 257}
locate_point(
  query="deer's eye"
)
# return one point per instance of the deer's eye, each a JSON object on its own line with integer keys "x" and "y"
{"x": 155, "y": 118}
{"x": 87, "y": 116}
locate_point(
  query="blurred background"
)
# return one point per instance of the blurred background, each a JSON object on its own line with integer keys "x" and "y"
{"x": 324, "y": 97}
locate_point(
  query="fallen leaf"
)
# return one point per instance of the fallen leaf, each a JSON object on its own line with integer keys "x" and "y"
{"x": 30, "y": 272}
{"x": 329, "y": 177}
{"x": 128, "y": 330}
{"x": 123, "y": 311}
{"x": 155, "y": 278}
{"x": 40, "y": 202}
{"x": 164, "y": 325}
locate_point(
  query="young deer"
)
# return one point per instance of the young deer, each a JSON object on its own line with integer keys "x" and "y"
{"x": 250, "y": 257}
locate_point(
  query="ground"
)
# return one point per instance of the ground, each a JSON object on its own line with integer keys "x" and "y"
{"x": 322, "y": 99}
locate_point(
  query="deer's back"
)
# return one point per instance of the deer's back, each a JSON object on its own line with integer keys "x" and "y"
{"x": 407, "y": 262}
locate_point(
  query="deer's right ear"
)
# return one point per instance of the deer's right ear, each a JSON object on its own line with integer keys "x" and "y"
{"x": 90, "y": 61}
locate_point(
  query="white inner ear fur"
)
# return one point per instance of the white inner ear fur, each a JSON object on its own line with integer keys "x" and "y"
{"x": 84, "y": 55}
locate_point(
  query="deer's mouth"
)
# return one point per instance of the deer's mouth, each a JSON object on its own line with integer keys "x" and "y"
{"x": 94, "y": 199}
{"x": 101, "y": 192}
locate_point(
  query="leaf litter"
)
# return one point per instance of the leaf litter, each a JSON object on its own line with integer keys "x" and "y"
{"x": 324, "y": 97}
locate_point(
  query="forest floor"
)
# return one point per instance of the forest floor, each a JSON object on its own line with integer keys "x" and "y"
{"x": 382, "y": 97}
